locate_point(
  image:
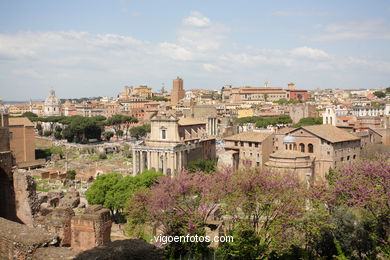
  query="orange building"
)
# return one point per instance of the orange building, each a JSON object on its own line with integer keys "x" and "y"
{"x": 22, "y": 142}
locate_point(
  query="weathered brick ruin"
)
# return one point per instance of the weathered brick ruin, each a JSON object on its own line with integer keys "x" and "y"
{"x": 7, "y": 194}
{"x": 18, "y": 241}
{"x": 91, "y": 229}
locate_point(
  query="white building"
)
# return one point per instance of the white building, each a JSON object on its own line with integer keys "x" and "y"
{"x": 52, "y": 105}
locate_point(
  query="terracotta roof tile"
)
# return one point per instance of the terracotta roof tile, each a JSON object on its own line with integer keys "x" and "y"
{"x": 249, "y": 136}
{"x": 14, "y": 121}
{"x": 331, "y": 133}
{"x": 190, "y": 121}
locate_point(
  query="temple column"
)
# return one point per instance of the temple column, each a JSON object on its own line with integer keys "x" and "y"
{"x": 164, "y": 163}
{"x": 148, "y": 155}
{"x": 141, "y": 161}
{"x": 134, "y": 163}
{"x": 172, "y": 163}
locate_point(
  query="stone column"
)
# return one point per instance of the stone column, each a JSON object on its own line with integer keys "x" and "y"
{"x": 172, "y": 163}
{"x": 158, "y": 161}
{"x": 134, "y": 163}
{"x": 148, "y": 155}
{"x": 141, "y": 161}
{"x": 164, "y": 163}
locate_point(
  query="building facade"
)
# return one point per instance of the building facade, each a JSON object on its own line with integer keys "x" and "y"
{"x": 311, "y": 151}
{"x": 172, "y": 144}
{"x": 247, "y": 149}
{"x": 52, "y": 105}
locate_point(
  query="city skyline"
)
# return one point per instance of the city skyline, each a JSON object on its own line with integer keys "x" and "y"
{"x": 94, "y": 49}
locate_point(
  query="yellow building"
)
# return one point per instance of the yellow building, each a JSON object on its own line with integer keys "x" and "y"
{"x": 244, "y": 113}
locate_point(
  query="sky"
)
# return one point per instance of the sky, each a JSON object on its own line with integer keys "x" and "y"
{"x": 90, "y": 48}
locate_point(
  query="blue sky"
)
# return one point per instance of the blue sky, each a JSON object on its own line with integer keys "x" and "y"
{"x": 94, "y": 48}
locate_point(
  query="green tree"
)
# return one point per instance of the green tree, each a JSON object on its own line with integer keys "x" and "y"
{"x": 80, "y": 129}
{"x": 202, "y": 165}
{"x": 246, "y": 244}
{"x": 29, "y": 115}
{"x": 108, "y": 135}
{"x": 379, "y": 94}
{"x": 388, "y": 90}
{"x": 47, "y": 133}
{"x": 306, "y": 121}
{"x": 140, "y": 131}
{"x": 159, "y": 99}
{"x": 71, "y": 174}
{"x": 113, "y": 191}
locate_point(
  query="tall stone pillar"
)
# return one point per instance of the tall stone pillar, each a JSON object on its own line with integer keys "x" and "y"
{"x": 164, "y": 163}
{"x": 148, "y": 155}
{"x": 134, "y": 163}
{"x": 172, "y": 165}
{"x": 141, "y": 161}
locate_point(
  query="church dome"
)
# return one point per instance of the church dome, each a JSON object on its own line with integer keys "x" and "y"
{"x": 289, "y": 139}
{"x": 52, "y": 100}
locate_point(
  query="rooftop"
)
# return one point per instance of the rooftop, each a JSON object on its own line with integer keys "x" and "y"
{"x": 249, "y": 136}
{"x": 331, "y": 133}
{"x": 190, "y": 121}
{"x": 14, "y": 121}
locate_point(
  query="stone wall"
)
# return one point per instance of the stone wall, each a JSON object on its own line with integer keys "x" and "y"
{"x": 91, "y": 229}
{"x": 27, "y": 204}
{"x": 18, "y": 241}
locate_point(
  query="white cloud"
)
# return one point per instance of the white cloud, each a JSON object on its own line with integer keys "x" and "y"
{"x": 176, "y": 52}
{"x": 365, "y": 29}
{"x": 309, "y": 53}
{"x": 197, "y": 19}
{"x": 211, "y": 68}
{"x": 85, "y": 64}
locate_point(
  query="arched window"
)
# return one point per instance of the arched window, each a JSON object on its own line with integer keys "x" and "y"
{"x": 163, "y": 133}
{"x": 326, "y": 120}
{"x": 286, "y": 147}
{"x": 310, "y": 148}
{"x": 290, "y": 147}
{"x": 302, "y": 148}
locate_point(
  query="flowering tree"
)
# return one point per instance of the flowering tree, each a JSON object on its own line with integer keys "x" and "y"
{"x": 179, "y": 206}
{"x": 365, "y": 185}
{"x": 266, "y": 202}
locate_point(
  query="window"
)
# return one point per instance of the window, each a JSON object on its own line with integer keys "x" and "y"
{"x": 348, "y": 158}
{"x": 286, "y": 147}
{"x": 328, "y": 153}
{"x": 250, "y": 154}
{"x": 163, "y": 133}
{"x": 258, "y": 164}
{"x": 302, "y": 148}
{"x": 354, "y": 156}
{"x": 235, "y": 143}
{"x": 250, "y": 144}
{"x": 242, "y": 143}
{"x": 342, "y": 158}
{"x": 310, "y": 148}
{"x": 256, "y": 145}
{"x": 258, "y": 155}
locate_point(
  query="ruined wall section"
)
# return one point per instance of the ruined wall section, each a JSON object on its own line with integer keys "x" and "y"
{"x": 91, "y": 229}
{"x": 17, "y": 241}
{"x": 27, "y": 203}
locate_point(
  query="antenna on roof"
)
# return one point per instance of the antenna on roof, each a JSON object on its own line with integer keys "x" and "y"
{"x": 266, "y": 83}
